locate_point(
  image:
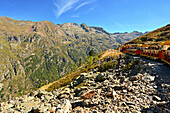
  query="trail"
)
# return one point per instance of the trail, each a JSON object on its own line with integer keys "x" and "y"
{"x": 162, "y": 70}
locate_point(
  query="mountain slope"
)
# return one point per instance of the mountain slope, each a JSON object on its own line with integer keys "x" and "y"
{"x": 161, "y": 34}
{"x": 36, "y": 53}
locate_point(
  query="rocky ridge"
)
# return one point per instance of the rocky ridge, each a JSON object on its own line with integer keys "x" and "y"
{"x": 121, "y": 89}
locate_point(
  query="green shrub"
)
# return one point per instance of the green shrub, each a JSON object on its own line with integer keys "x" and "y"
{"x": 108, "y": 65}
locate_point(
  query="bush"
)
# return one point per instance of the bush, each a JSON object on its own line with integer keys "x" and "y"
{"x": 108, "y": 65}
{"x": 91, "y": 53}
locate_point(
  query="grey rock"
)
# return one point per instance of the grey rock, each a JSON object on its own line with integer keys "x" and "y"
{"x": 133, "y": 78}
{"x": 156, "y": 98}
{"x": 1, "y": 86}
{"x": 100, "y": 77}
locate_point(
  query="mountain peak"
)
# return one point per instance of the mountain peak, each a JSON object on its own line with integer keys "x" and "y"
{"x": 85, "y": 27}
{"x": 70, "y": 24}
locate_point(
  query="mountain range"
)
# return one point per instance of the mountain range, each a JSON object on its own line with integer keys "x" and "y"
{"x": 36, "y": 53}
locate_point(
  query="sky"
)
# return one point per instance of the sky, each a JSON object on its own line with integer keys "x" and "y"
{"x": 112, "y": 15}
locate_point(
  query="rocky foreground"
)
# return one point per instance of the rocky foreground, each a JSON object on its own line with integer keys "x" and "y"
{"x": 113, "y": 91}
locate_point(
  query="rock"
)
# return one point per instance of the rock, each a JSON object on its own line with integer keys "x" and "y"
{"x": 111, "y": 94}
{"x": 40, "y": 93}
{"x": 35, "y": 109}
{"x": 100, "y": 77}
{"x": 130, "y": 103}
{"x": 133, "y": 78}
{"x": 80, "y": 93}
{"x": 80, "y": 79}
{"x": 63, "y": 96}
{"x": 122, "y": 78}
{"x": 89, "y": 94}
{"x": 48, "y": 97}
{"x": 156, "y": 98}
{"x": 114, "y": 93}
{"x": 52, "y": 109}
{"x": 91, "y": 83}
{"x": 33, "y": 93}
{"x": 148, "y": 78}
{"x": 124, "y": 91}
{"x": 1, "y": 86}
{"x": 66, "y": 91}
{"x": 66, "y": 107}
{"x": 76, "y": 103}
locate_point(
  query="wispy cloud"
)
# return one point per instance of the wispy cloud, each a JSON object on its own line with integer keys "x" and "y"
{"x": 83, "y": 4}
{"x": 75, "y": 16}
{"x": 65, "y": 5}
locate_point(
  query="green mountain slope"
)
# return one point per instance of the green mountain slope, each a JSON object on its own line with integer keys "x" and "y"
{"x": 35, "y": 53}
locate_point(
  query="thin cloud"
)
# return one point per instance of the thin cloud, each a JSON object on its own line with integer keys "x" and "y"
{"x": 83, "y": 13}
{"x": 75, "y": 16}
{"x": 64, "y": 5}
{"x": 81, "y": 5}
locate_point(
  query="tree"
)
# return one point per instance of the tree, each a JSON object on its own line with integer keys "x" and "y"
{"x": 100, "y": 51}
{"x": 91, "y": 53}
{"x": 80, "y": 62}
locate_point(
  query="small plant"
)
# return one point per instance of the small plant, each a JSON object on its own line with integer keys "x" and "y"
{"x": 108, "y": 65}
{"x": 91, "y": 53}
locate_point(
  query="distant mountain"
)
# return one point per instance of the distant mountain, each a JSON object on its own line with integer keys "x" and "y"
{"x": 35, "y": 53}
{"x": 161, "y": 34}
{"x": 125, "y": 37}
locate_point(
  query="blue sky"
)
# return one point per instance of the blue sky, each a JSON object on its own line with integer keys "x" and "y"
{"x": 112, "y": 15}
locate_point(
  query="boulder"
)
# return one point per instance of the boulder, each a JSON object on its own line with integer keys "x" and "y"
{"x": 148, "y": 78}
{"x": 88, "y": 95}
{"x": 100, "y": 77}
{"x": 76, "y": 103}
{"x": 156, "y": 98}
{"x": 66, "y": 107}
{"x": 133, "y": 78}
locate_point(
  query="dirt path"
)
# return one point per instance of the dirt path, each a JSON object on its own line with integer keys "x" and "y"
{"x": 162, "y": 69}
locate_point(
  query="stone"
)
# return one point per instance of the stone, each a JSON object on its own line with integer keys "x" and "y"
{"x": 111, "y": 94}
{"x": 63, "y": 96}
{"x": 33, "y": 93}
{"x": 130, "y": 103}
{"x": 52, "y": 109}
{"x": 148, "y": 78}
{"x": 133, "y": 78}
{"x": 88, "y": 95}
{"x": 35, "y": 109}
{"x": 1, "y": 86}
{"x": 76, "y": 103}
{"x": 124, "y": 91}
{"x": 66, "y": 107}
{"x": 156, "y": 98}
{"x": 122, "y": 78}
{"x": 40, "y": 93}
{"x": 114, "y": 93}
{"x": 100, "y": 77}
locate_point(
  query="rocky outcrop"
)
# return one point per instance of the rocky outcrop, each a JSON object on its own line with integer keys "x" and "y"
{"x": 115, "y": 93}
